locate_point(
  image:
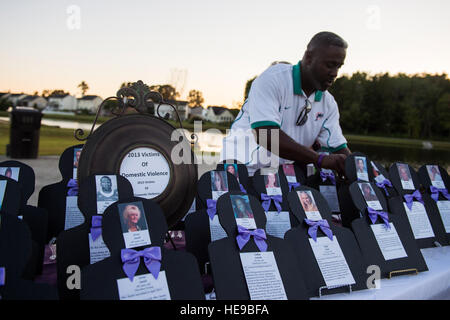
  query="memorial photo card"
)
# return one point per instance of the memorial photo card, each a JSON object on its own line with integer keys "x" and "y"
{"x": 405, "y": 176}
{"x": 242, "y": 211}
{"x": 76, "y": 160}
{"x": 379, "y": 177}
{"x": 289, "y": 172}
{"x": 232, "y": 168}
{"x": 272, "y": 183}
{"x": 134, "y": 224}
{"x": 10, "y": 172}
{"x": 2, "y": 191}
{"x": 219, "y": 184}
{"x": 107, "y": 192}
{"x": 361, "y": 168}
{"x": 370, "y": 196}
{"x": 435, "y": 176}
{"x": 309, "y": 205}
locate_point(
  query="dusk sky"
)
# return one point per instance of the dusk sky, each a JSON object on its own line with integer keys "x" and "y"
{"x": 208, "y": 45}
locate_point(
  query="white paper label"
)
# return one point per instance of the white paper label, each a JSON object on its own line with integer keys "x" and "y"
{"x": 273, "y": 191}
{"x": 2, "y": 191}
{"x": 136, "y": 239}
{"x": 73, "y": 217}
{"x": 444, "y": 210}
{"x": 216, "y": 230}
{"x": 277, "y": 223}
{"x": 389, "y": 242}
{"x": 331, "y": 261}
{"x": 330, "y": 194}
{"x": 262, "y": 276}
{"x": 97, "y": 249}
{"x": 144, "y": 287}
{"x": 418, "y": 219}
{"x": 313, "y": 215}
{"x": 217, "y": 194}
{"x": 147, "y": 170}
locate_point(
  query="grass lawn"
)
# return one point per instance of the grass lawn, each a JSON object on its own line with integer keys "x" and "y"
{"x": 52, "y": 141}
{"x": 413, "y": 143}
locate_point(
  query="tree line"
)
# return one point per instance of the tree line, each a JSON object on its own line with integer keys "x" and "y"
{"x": 407, "y": 106}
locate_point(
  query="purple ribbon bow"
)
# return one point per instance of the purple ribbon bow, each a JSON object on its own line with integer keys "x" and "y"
{"x": 410, "y": 197}
{"x": 327, "y": 175}
{"x": 96, "y": 229}
{"x": 242, "y": 188}
{"x": 2, "y": 276}
{"x": 259, "y": 235}
{"x": 293, "y": 185}
{"x": 73, "y": 187}
{"x": 383, "y": 185}
{"x": 131, "y": 260}
{"x": 211, "y": 210}
{"x": 435, "y": 193}
{"x": 315, "y": 225}
{"x": 374, "y": 214}
{"x": 277, "y": 200}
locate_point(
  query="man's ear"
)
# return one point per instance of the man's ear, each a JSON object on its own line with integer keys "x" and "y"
{"x": 307, "y": 58}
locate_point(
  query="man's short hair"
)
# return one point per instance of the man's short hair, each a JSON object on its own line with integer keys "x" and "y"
{"x": 326, "y": 38}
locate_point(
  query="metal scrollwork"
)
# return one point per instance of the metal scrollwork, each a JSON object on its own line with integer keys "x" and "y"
{"x": 139, "y": 97}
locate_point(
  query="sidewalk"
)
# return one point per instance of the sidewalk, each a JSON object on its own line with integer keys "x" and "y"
{"x": 47, "y": 172}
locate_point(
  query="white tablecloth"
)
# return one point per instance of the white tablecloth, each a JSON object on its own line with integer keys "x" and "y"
{"x": 431, "y": 284}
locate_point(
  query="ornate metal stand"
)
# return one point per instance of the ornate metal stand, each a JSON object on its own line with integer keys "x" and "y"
{"x": 139, "y": 97}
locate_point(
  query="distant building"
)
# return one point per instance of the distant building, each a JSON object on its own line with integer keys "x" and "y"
{"x": 166, "y": 110}
{"x": 37, "y": 102}
{"x": 197, "y": 112}
{"x": 4, "y": 95}
{"x": 62, "y": 102}
{"x": 16, "y": 97}
{"x": 89, "y": 103}
{"x": 218, "y": 114}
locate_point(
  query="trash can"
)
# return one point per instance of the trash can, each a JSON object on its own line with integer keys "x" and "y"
{"x": 25, "y": 124}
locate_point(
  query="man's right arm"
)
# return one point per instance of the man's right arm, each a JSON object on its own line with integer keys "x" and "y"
{"x": 289, "y": 149}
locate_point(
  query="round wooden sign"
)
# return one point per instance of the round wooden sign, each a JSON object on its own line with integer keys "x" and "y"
{"x": 140, "y": 147}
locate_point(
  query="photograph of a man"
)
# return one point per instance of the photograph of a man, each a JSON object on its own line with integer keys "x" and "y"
{"x": 107, "y": 188}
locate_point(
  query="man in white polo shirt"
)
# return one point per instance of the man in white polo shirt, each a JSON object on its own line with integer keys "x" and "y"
{"x": 288, "y": 109}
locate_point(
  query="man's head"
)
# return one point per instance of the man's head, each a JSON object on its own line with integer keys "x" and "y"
{"x": 106, "y": 184}
{"x": 324, "y": 55}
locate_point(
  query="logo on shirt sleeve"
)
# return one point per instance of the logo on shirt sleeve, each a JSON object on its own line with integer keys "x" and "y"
{"x": 319, "y": 115}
